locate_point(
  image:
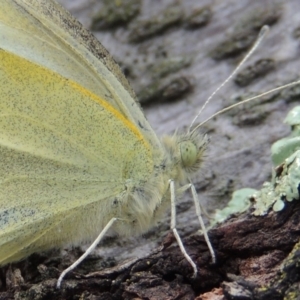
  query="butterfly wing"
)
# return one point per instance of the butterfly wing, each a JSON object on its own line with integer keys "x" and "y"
{"x": 66, "y": 150}
{"x": 49, "y": 36}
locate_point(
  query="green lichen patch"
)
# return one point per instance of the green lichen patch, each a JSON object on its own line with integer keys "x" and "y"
{"x": 293, "y": 119}
{"x": 285, "y": 184}
{"x": 285, "y": 147}
{"x": 284, "y": 187}
{"x": 239, "y": 203}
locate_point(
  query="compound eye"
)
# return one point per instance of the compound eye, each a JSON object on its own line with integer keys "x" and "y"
{"x": 189, "y": 153}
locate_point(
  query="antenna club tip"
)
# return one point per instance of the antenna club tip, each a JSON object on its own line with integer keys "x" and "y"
{"x": 264, "y": 30}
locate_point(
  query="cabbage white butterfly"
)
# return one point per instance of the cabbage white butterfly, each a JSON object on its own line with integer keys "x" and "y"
{"x": 78, "y": 155}
{"x": 40, "y": 141}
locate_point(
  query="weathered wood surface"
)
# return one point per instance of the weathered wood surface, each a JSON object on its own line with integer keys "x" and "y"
{"x": 250, "y": 250}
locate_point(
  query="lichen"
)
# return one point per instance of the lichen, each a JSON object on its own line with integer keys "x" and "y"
{"x": 239, "y": 203}
{"x": 285, "y": 182}
{"x": 285, "y": 147}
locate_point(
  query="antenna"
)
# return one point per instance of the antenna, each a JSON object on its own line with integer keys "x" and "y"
{"x": 264, "y": 30}
{"x": 247, "y": 100}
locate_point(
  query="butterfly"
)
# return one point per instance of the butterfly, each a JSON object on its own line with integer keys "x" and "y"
{"x": 78, "y": 156}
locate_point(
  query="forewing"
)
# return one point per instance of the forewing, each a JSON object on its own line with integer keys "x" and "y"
{"x": 43, "y": 32}
{"x": 63, "y": 150}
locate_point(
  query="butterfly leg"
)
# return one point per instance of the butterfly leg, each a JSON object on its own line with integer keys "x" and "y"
{"x": 175, "y": 232}
{"x": 86, "y": 253}
{"x": 198, "y": 212}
